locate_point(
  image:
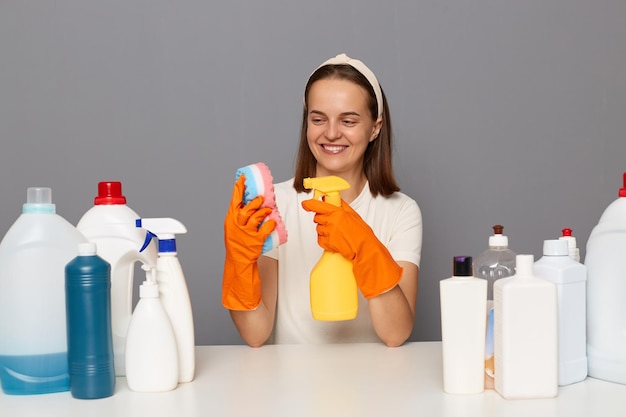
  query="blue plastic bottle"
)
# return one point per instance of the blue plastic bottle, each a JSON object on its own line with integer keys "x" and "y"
{"x": 89, "y": 339}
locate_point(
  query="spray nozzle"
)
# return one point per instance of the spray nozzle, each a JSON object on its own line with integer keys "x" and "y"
{"x": 328, "y": 187}
{"x": 164, "y": 229}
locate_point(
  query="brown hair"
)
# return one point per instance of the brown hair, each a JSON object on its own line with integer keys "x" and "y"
{"x": 377, "y": 162}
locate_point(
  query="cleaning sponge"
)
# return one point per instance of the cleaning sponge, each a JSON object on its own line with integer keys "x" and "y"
{"x": 259, "y": 181}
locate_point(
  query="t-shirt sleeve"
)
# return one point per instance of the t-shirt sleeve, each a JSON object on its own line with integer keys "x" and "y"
{"x": 405, "y": 243}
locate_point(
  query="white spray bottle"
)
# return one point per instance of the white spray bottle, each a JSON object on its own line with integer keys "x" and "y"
{"x": 110, "y": 224}
{"x": 173, "y": 291}
{"x": 151, "y": 353}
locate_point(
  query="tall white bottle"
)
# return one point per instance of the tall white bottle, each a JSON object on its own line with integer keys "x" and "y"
{"x": 525, "y": 334}
{"x": 606, "y": 286}
{"x": 173, "y": 291}
{"x": 498, "y": 261}
{"x": 463, "y": 300}
{"x": 151, "y": 353}
{"x": 570, "y": 278}
{"x": 110, "y": 224}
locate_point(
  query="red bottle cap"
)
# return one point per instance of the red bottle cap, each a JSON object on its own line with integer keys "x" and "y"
{"x": 109, "y": 192}
{"x": 622, "y": 191}
{"x": 567, "y": 231}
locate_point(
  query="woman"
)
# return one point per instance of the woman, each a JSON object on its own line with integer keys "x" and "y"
{"x": 346, "y": 132}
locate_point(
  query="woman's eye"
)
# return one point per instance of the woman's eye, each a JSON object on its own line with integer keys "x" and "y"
{"x": 349, "y": 122}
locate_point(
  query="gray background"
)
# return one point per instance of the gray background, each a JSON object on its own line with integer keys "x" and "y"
{"x": 505, "y": 111}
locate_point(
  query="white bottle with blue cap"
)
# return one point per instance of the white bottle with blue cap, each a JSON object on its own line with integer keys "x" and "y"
{"x": 173, "y": 290}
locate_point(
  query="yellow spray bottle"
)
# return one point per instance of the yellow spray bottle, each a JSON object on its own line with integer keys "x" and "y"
{"x": 334, "y": 295}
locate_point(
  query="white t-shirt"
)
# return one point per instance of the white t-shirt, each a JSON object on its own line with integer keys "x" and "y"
{"x": 396, "y": 221}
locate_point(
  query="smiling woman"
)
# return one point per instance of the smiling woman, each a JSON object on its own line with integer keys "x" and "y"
{"x": 346, "y": 132}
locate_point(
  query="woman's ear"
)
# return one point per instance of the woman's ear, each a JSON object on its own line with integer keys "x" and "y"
{"x": 376, "y": 129}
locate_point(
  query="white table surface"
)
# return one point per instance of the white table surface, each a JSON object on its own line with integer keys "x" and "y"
{"x": 320, "y": 380}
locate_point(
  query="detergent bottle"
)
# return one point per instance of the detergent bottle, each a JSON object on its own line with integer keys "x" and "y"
{"x": 151, "y": 353}
{"x": 110, "y": 224}
{"x": 89, "y": 340}
{"x": 498, "y": 261}
{"x": 33, "y": 335}
{"x": 606, "y": 286}
{"x": 463, "y": 300}
{"x": 173, "y": 291}
{"x": 334, "y": 294}
{"x": 525, "y": 334}
{"x": 570, "y": 278}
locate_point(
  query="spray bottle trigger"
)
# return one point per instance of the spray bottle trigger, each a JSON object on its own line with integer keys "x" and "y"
{"x": 149, "y": 237}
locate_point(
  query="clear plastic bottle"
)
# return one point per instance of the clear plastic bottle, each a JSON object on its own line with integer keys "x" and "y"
{"x": 463, "y": 300}
{"x": 498, "y": 261}
{"x": 89, "y": 340}
{"x": 606, "y": 286}
{"x": 33, "y": 336}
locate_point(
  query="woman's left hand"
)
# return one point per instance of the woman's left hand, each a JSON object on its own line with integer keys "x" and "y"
{"x": 341, "y": 229}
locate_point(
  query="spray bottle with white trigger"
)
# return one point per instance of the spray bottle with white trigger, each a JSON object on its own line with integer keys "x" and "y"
{"x": 173, "y": 290}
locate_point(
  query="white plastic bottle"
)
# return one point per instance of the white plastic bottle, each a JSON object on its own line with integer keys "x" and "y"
{"x": 173, "y": 291}
{"x": 33, "y": 333}
{"x": 606, "y": 287}
{"x": 525, "y": 334}
{"x": 463, "y": 300}
{"x": 151, "y": 353}
{"x": 573, "y": 250}
{"x": 570, "y": 278}
{"x": 498, "y": 261}
{"x": 110, "y": 224}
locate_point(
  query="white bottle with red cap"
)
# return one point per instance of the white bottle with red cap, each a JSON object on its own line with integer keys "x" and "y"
{"x": 606, "y": 288}
{"x": 110, "y": 224}
{"x": 570, "y": 278}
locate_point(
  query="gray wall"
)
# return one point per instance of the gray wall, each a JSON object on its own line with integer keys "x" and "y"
{"x": 509, "y": 112}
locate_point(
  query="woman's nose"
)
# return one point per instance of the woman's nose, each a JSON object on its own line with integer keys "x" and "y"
{"x": 332, "y": 131}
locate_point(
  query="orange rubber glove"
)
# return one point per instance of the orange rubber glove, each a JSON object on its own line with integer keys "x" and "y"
{"x": 243, "y": 239}
{"x": 341, "y": 229}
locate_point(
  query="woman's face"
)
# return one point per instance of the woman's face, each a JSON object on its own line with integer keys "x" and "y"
{"x": 339, "y": 126}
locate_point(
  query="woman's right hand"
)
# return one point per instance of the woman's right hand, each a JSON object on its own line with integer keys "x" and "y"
{"x": 244, "y": 235}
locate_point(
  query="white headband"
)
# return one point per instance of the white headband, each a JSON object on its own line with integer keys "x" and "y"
{"x": 362, "y": 68}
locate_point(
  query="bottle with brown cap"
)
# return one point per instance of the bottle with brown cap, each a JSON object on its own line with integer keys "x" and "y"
{"x": 498, "y": 261}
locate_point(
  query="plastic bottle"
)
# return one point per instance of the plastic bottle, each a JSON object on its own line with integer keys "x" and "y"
{"x": 110, "y": 224}
{"x": 573, "y": 250}
{"x": 173, "y": 291}
{"x": 606, "y": 286}
{"x": 334, "y": 293}
{"x": 525, "y": 334}
{"x": 89, "y": 340}
{"x": 498, "y": 261}
{"x": 33, "y": 255}
{"x": 151, "y": 353}
{"x": 463, "y": 300}
{"x": 570, "y": 278}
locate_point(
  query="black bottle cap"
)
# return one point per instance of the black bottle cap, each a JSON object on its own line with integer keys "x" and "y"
{"x": 462, "y": 266}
